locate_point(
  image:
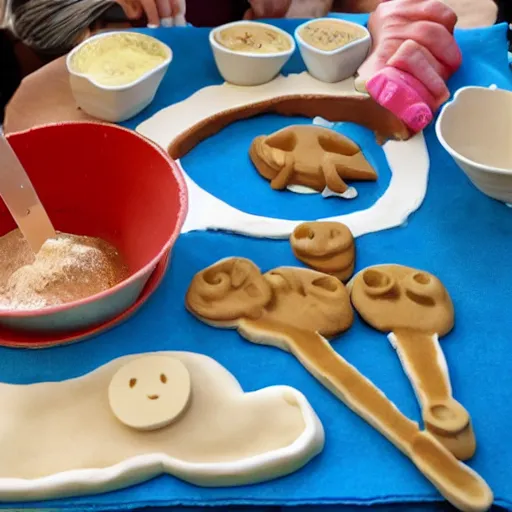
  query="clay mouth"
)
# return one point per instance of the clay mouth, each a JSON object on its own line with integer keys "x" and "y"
{"x": 153, "y": 397}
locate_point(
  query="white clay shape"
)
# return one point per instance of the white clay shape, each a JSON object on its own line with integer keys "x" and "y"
{"x": 350, "y": 193}
{"x": 408, "y": 161}
{"x": 150, "y": 392}
{"x": 224, "y": 437}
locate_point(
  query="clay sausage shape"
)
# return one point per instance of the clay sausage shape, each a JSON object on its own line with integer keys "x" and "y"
{"x": 296, "y": 310}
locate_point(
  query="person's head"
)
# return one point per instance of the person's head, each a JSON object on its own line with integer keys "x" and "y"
{"x": 53, "y": 27}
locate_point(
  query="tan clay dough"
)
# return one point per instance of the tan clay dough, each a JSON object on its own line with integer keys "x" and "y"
{"x": 63, "y": 439}
{"x": 296, "y": 310}
{"x": 325, "y": 246}
{"x": 212, "y": 108}
{"x": 150, "y": 392}
{"x": 310, "y": 156}
{"x": 416, "y": 308}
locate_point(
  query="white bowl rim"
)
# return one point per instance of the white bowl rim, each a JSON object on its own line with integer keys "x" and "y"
{"x": 148, "y": 268}
{"x": 455, "y": 154}
{"x": 252, "y": 55}
{"x": 123, "y": 87}
{"x": 341, "y": 49}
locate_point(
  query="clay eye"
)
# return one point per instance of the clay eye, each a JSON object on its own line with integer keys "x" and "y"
{"x": 252, "y": 290}
{"x": 377, "y": 283}
{"x": 163, "y": 378}
{"x": 132, "y": 382}
{"x": 327, "y": 283}
{"x": 304, "y": 231}
{"x": 421, "y": 278}
{"x": 422, "y": 289}
{"x": 334, "y": 233}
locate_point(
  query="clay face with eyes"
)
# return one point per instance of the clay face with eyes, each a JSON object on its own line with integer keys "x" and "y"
{"x": 150, "y": 392}
{"x": 415, "y": 308}
{"x": 235, "y": 289}
{"x": 310, "y": 156}
{"x": 325, "y": 246}
{"x": 392, "y": 297}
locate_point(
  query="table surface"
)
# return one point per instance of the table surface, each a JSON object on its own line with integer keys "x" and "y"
{"x": 44, "y": 97}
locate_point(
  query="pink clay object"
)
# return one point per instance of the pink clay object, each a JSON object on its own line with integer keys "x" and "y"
{"x": 403, "y": 95}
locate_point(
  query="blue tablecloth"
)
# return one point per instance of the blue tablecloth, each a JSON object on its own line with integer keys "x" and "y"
{"x": 460, "y": 235}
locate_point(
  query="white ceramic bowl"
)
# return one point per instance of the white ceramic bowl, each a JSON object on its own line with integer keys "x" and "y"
{"x": 476, "y": 130}
{"x": 338, "y": 64}
{"x": 244, "y": 68}
{"x": 116, "y": 103}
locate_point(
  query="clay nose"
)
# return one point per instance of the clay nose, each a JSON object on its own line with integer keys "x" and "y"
{"x": 153, "y": 397}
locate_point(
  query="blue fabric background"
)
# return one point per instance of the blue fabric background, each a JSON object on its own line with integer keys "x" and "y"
{"x": 458, "y": 234}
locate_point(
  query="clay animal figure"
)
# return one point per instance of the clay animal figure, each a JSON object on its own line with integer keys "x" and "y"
{"x": 325, "y": 246}
{"x": 297, "y": 310}
{"x": 143, "y": 415}
{"x": 310, "y": 156}
{"x": 416, "y": 309}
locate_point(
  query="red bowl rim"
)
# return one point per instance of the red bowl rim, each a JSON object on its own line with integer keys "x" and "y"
{"x": 182, "y": 213}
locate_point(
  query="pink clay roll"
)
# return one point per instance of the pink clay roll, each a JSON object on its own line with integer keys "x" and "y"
{"x": 404, "y": 95}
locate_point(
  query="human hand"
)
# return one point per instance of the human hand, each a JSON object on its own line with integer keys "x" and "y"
{"x": 267, "y": 9}
{"x": 167, "y": 12}
{"x": 415, "y": 36}
{"x": 309, "y": 8}
{"x": 288, "y": 8}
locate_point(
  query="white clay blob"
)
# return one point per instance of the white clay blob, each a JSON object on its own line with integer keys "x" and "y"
{"x": 408, "y": 161}
{"x": 150, "y": 392}
{"x": 301, "y": 189}
{"x": 350, "y": 193}
{"x": 60, "y": 439}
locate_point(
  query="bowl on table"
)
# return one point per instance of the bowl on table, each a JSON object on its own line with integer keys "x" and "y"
{"x": 105, "y": 181}
{"x": 113, "y": 98}
{"x": 250, "y": 66}
{"x": 475, "y": 128}
{"x": 332, "y": 49}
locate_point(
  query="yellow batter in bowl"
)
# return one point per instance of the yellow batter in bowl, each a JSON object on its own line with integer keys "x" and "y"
{"x": 253, "y": 38}
{"x": 119, "y": 59}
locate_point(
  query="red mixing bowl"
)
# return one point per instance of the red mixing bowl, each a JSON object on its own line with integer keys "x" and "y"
{"x": 100, "y": 180}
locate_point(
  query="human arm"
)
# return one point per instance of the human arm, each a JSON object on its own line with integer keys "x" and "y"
{"x": 415, "y": 37}
{"x": 156, "y": 11}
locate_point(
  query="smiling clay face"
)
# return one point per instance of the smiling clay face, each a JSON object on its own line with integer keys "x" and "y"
{"x": 392, "y": 297}
{"x": 150, "y": 392}
{"x": 220, "y": 427}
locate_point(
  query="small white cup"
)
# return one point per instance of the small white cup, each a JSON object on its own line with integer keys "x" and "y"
{"x": 116, "y": 103}
{"x": 334, "y": 65}
{"x": 244, "y": 68}
{"x": 475, "y": 128}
